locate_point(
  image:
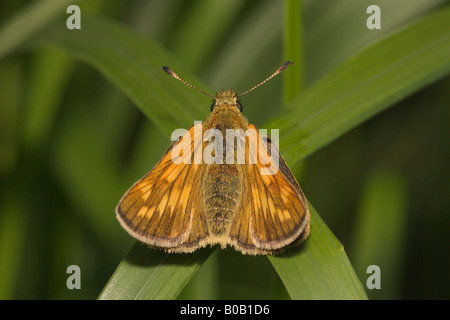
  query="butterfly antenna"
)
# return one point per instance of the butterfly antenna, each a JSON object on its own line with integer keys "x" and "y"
{"x": 173, "y": 74}
{"x": 281, "y": 68}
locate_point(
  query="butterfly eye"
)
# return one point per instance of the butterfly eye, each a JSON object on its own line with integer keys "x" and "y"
{"x": 239, "y": 106}
{"x": 213, "y": 105}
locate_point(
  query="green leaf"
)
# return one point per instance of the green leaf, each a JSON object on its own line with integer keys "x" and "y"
{"x": 319, "y": 268}
{"x": 51, "y": 71}
{"x": 13, "y": 231}
{"x": 152, "y": 274}
{"x": 134, "y": 64}
{"x": 30, "y": 21}
{"x": 335, "y": 35}
{"x": 355, "y": 91}
{"x": 381, "y": 229}
{"x": 293, "y": 49}
{"x": 196, "y": 40}
{"x": 256, "y": 33}
{"x": 367, "y": 83}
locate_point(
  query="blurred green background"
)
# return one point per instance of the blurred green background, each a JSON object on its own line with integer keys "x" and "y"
{"x": 71, "y": 143}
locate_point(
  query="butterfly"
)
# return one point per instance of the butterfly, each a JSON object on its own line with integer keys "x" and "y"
{"x": 182, "y": 204}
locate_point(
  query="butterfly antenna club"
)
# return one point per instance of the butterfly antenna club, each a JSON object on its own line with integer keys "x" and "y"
{"x": 279, "y": 70}
{"x": 173, "y": 74}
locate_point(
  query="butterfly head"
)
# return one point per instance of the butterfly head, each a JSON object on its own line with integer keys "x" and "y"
{"x": 227, "y": 98}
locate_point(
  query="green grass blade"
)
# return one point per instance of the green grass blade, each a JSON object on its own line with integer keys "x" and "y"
{"x": 51, "y": 71}
{"x": 366, "y": 84}
{"x": 134, "y": 63}
{"x": 205, "y": 284}
{"x": 152, "y": 274}
{"x": 196, "y": 40}
{"x": 319, "y": 268}
{"x": 32, "y": 19}
{"x": 255, "y": 35}
{"x": 381, "y": 230}
{"x": 293, "y": 41}
{"x": 13, "y": 232}
{"x": 11, "y": 83}
{"x": 349, "y": 100}
{"x": 293, "y": 49}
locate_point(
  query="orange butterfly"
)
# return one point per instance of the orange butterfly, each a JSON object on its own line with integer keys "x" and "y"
{"x": 184, "y": 205}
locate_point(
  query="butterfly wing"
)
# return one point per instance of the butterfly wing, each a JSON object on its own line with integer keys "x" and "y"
{"x": 273, "y": 212}
{"x": 161, "y": 209}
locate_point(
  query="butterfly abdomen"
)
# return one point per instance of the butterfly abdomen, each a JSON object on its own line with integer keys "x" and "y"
{"x": 222, "y": 189}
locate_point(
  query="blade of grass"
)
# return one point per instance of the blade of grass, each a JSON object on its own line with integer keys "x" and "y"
{"x": 254, "y": 41}
{"x": 13, "y": 232}
{"x": 293, "y": 49}
{"x": 331, "y": 39}
{"x": 51, "y": 71}
{"x": 155, "y": 18}
{"x": 319, "y": 268}
{"x": 30, "y": 21}
{"x": 134, "y": 63}
{"x": 11, "y": 81}
{"x": 76, "y": 156}
{"x": 195, "y": 39}
{"x": 204, "y": 285}
{"x": 258, "y": 31}
{"x": 306, "y": 273}
{"x": 152, "y": 274}
{"x": 380, "y": 230}
{"x": 365, "y": 85}
{"x": 350, "y": 100}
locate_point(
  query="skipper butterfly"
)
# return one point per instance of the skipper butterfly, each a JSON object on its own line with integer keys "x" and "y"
{"x": 184, "y": 205}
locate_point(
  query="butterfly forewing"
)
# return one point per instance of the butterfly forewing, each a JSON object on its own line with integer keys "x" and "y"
{"x": 161, "y": 209}
{"x": 273, "y": 212}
